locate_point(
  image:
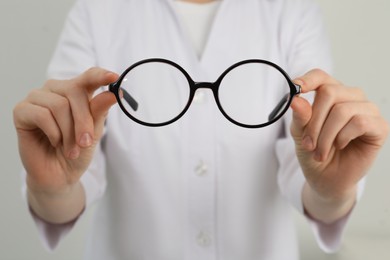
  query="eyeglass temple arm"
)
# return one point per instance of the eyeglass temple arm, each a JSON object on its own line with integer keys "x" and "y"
{"x": 127, "y": 97}
{"x": 130, "y": 100}
{"x": 278, "y": 107}
{"x": 282, "y": 102}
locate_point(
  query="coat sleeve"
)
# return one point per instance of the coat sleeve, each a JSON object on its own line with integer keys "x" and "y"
{"x": 74, "y": 54}
{"x": 94, "y": 184}
{"x": 305, "y": 45}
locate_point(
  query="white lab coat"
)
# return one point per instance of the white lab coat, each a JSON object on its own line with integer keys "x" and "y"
{"x": 201, "y": 188}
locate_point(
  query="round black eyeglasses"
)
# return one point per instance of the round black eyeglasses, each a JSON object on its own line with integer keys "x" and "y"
{"x": 251, "y": 93}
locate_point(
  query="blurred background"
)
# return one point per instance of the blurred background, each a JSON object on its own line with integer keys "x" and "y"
{"x": 359, "y": 31}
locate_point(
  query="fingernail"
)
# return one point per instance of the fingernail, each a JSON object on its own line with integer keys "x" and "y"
{"x": 307, "y": 143}
{"x": 298, "y": 81}
{"x": 74, "y": 153}
{"x": 110, "y": 74}
{"x": 85, "y": 140}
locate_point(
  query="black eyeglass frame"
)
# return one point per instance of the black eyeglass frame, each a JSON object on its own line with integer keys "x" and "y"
{"x": 274, "y": 116}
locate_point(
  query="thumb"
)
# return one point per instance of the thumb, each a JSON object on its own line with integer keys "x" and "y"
{"x": 302, "y": 112}
{"x": 100, "y": 106}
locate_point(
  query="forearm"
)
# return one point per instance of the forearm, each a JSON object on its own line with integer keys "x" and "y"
{"x": 327, "y": 210}
{"x": 58, "y": 208}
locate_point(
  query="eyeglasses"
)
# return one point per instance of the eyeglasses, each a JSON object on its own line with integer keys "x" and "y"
{"x": 251, "y": 93}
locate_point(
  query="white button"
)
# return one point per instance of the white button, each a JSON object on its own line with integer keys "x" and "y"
{"x": 203, "y": 239}
{"x": 200, "y": 96}
{"x": 201, "y": 169}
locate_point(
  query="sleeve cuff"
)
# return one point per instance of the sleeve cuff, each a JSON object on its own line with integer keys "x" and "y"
{"x": 329, "y": 236}
{"x": 51, "y": 234}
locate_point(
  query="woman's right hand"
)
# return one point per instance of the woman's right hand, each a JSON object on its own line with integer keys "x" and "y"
{"x": 58, "y": 127}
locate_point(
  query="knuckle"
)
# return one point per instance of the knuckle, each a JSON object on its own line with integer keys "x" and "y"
{"x": 33, "y": 93}
{"x": 50, "y": 83}
{"x": 83, "y": 123}
{"x": 91, "y": 72}
{"x": 84, "y": 119}
{"x": 44, "y": 119}
{"x": 341, "y": 140}
{"x": 319, "y": 72}
{"x": 360, "y": 122}
{"x": 341, "y": 110}
{"x": 60, "y": 103}
{"x": 59, "y": 87}
{"x": 77, "y": 89}
{"x": 375, "y": 108}
{"x": 384, "y": 125}
{"x": 79, "y": 84}
{"x": 312, "y": 130}
{"x": 42, "y": 116}
{"x": 328, "y": 92}
{"x": 72, "y": 89}
{"x": 18, "y": 108}
{"x": 358, "y": 93}
{"x": 54, "y": 136}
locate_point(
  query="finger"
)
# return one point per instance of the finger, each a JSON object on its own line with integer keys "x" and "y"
{"x": 89, "y": 81}
{"x": 82, "y": 118}
{"x": 327, "y": 96}
{"x": 60, "y": 110}
{"x": 100, "y": 106}
{"x": 302, "y": 113}
{"x": 314, "y": 79}
{"x": 94, "y": 78}
{"x": 371, "y": 129}
{"x": 29, "y": 117}
{"x": 340, "y": 116}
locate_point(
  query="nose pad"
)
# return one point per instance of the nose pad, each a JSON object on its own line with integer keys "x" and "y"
{"x": 200, "y": 96}
{"x": 201, "y": 93}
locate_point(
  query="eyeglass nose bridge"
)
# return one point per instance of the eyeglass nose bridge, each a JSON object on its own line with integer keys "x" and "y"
{"x": 209, "y": 85}
{"x": 213, "y": 86}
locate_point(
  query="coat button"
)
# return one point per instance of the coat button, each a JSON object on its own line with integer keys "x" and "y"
{"x": 203, "y": 239}
{"x": 201, "y": 169}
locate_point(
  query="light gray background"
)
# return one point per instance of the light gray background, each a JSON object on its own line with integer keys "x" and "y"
{"x": 360, "y": 35}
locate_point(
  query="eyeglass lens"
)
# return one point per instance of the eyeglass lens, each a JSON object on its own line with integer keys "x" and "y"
{"x": 250, "y": 92}
{"x": 160, "y": 90}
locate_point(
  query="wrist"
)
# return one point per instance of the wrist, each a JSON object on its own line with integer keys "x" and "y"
{"x": 50, "y": 188}
{"x": 57, "y": 207}
{"x": 331, "y": 198}
{"x": 330, "y": 207}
